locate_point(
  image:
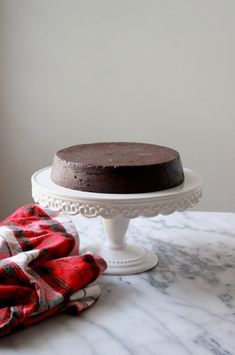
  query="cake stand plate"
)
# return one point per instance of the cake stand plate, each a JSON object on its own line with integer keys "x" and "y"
{"x": 116, "y": 210}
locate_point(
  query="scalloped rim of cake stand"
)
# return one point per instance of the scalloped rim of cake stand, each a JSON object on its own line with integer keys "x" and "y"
{"x": 91, "y": 204}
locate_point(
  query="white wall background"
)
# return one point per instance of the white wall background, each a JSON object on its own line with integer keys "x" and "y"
{"x": 159, "y": 71}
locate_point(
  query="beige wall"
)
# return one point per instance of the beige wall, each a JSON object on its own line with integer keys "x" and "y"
{"x": 84, "y": 71}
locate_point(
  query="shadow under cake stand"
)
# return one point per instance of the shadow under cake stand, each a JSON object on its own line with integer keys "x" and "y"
{"x": 116, "y": 210}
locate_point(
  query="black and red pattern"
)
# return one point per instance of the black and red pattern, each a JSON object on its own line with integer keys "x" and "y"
{"x": 40, "y": 269}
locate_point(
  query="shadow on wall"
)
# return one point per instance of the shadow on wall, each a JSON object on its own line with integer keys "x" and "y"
{"x": 16, "y": 163}
{"x": 21, "y": 130}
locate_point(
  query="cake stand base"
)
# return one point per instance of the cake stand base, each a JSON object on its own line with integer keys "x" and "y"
{"x": 121, "y": 257}
{"x": 132, "y": 259}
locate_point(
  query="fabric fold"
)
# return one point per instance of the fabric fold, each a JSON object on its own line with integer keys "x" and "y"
{"x": 41, "y": 271}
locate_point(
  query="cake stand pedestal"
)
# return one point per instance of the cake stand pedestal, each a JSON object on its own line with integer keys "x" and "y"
{"x": 116, "y": 210}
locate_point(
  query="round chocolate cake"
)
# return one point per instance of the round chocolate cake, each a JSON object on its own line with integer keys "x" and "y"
{"x": 117, "y": 167}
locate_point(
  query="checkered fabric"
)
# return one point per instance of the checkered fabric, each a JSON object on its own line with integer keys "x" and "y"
{"x": 41, "y": 273}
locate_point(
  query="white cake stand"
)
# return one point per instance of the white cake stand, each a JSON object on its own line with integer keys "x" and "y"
{"x": 116, "y": 210}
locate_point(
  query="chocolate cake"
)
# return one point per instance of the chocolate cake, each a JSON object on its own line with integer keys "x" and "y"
{"x": 119, "y": 168}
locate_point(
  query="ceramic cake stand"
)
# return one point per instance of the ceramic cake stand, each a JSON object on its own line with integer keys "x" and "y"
{"x": 116, "y": 210}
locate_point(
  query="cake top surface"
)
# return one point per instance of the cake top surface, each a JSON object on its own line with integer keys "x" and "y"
{"x": 116, "y": 154}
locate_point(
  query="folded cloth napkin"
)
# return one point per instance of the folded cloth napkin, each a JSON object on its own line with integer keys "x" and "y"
{"x": 41, "y": 273}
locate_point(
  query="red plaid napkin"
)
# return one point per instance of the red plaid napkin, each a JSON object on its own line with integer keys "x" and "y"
{"x": 41, "y": 272}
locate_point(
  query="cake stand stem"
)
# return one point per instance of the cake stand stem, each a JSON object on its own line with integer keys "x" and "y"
{"x": 122, "y": 258}
{"x": 115, "y": 229}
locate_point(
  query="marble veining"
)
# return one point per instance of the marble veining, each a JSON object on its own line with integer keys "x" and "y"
{"x": 184, "y": 306}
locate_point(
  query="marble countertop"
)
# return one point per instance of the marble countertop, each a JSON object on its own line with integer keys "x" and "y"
{"x": 186, "y": 305}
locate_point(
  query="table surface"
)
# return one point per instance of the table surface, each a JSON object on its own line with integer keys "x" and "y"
{"x": 186, "y": 305}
